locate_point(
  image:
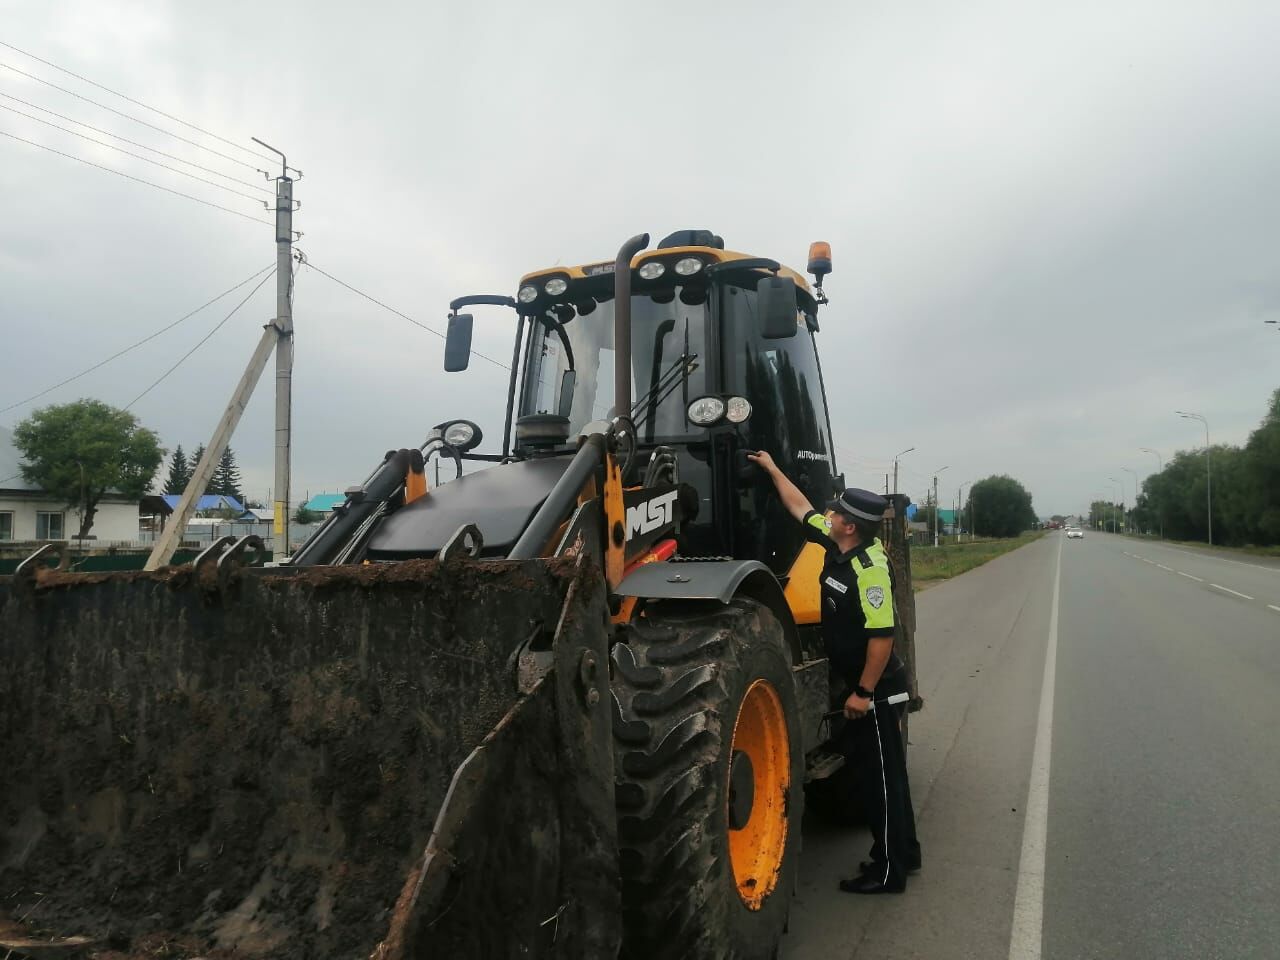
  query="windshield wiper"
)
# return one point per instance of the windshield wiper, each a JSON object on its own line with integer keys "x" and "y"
{"x": 675, "y": 374}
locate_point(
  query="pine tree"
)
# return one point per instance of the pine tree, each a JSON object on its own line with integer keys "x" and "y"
{"x": 179, "y": 472}
{"x": 195, "y": 462}
{"x": 226, "y": 477}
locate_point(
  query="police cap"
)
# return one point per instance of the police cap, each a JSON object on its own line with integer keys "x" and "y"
{"x": 860, "y": 505}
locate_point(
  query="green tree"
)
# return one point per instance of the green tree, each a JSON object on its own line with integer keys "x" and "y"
{"x": 179, "y": 472}
{"x": 195, "y": 462}
{"x": 1103, "y": 514}
{"x": 1262, "y": 470}
{"x": 1000, "y": 507}
{"x": 304, "y": 516}
{"x": 226, "y": 477}
{"x": 78, "y": 451}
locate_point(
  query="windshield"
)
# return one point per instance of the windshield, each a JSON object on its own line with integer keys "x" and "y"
{"x": 667, "y": 362}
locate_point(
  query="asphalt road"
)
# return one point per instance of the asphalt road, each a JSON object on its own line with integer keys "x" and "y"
{"x": 1155, "y": 802}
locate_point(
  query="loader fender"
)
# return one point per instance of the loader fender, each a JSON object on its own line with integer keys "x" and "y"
{"x": 715, "y": 580}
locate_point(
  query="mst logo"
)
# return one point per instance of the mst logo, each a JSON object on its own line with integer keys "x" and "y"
{"x": 651, "y": 514}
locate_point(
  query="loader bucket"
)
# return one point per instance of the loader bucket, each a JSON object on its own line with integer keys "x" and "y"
{"x": 396, "y": 760}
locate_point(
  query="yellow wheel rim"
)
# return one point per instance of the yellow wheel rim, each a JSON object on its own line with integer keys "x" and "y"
{"x": 758, "y": 843}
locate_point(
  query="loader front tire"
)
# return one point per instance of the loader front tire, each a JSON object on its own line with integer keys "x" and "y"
{"x": 709, "y": 776}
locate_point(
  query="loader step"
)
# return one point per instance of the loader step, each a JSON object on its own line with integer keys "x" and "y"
{"x": 823, "y": 764}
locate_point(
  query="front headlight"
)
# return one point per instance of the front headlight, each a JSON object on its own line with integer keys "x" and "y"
{"x": 688, "y": 266}
{"x": 462, "y": 435}
{"x": 737, "y": 409}
{"x": 651, "y": 270}
{"x": 706, "y": 410}
{"x": 458, "y": 434}
{"x": 556, "y": 286}
{"x": 528, "y": 293}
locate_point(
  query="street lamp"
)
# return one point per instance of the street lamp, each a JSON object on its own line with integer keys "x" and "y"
{"x": 1159, "y": 507}
{"x": 1208, "y": 469}
{"x": 1120, "y": 498}
{"x": 1102, "y": 515}
{"x": 935, "y": 504}
{"x": 1134, "y": 474}
{"x": 961, "y": 506}
{"x": 895, "y": 466}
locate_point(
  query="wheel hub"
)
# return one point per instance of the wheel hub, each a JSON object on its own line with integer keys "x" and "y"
{"x": 742, "y": 790}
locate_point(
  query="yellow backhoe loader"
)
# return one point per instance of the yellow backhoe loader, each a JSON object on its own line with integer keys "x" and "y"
{"x": 565, "y": 705}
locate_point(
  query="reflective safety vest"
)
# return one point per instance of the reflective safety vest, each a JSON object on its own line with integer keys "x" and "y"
{"x": 857, "y": 600}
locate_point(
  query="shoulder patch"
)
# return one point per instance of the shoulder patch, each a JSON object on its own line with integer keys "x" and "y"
{"x": 875, "y": 596}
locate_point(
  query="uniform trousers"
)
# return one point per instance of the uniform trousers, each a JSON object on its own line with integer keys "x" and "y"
{"x": 872, "y": 746}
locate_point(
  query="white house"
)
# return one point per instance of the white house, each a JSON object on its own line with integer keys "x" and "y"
{"x": 29, "y": 513}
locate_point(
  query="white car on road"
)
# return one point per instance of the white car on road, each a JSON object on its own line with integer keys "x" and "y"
{"x": 1075, "y": 533}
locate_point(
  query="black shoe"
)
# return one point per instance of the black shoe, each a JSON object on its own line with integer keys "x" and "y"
{"x": 876, "y": 867}
{"x": 868, "y": 884}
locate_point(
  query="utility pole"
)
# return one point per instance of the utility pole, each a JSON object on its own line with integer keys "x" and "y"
{"x": 284, "y": 351}
{"x": 278, "y": 336}
{"x": 935, "y": 504}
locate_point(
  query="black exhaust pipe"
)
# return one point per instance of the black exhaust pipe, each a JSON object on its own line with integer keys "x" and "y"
{"x": 622, "y": 324}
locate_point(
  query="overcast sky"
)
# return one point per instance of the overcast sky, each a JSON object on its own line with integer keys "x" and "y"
{"x": 1052, "y": 225}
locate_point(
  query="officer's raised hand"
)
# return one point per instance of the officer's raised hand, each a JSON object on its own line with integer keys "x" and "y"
{"x": 795, "y": 502}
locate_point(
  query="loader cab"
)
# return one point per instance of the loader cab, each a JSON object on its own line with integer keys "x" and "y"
{"x": 696, "y": 333}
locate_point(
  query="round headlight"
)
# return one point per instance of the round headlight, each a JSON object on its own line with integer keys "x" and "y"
{"x": 688, "y": 266}
{"x": 651, "y": 270}
{"x": 737, "y": 409}
{"x": 459, "y": 434}
{"x": 527, "y": 294}
{"x": 706, "y": 410}
{"x": 556, "y": 286}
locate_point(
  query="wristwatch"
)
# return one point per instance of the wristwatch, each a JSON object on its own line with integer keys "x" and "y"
{"x": 863, "y": 692}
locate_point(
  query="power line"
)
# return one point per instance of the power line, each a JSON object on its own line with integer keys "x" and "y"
{"x": 133, "y": 143}
{"x": 139, "y": 103}
{"x": 404, "y": 316}
{"x": 203, "y": 340}
{"x": 130, "y": 153}
{"x": 136, "y": 344}
{"x": 102, "y": 106}
{"x": 127, "y": 176}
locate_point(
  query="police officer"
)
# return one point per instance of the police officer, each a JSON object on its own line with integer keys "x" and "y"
{"x": 857, "y": 630}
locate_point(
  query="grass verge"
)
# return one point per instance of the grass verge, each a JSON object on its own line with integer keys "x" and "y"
{"x": 930, "y": 565}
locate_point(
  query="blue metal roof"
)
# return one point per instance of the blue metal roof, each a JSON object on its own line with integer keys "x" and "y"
{"x": 210, "y": 501}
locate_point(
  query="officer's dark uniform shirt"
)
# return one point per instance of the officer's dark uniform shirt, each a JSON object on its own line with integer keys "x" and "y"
{"x": 857, "y": 600}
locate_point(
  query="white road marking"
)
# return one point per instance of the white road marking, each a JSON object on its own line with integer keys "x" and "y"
{"x": 1145, "y": 560}
{"x": 1190, "y": 577}
{"x": 1237, "y": 593}
{"x": 1272, "y": 606}
{"x": 1028, "y": 904}
{"x": 1163, "y": 567}
{"x": 1211, "y": 556}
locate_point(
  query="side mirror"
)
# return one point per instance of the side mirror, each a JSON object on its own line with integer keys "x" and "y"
{"x": 457, "y": 343}
{"x": 567, "y": 383}
{"x": 776, "y": 301}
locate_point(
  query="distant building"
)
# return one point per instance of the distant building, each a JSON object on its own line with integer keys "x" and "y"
{"x": 209, "y": 503}
{"x": 324, "y": 502}
{"x": 29, "y": 513}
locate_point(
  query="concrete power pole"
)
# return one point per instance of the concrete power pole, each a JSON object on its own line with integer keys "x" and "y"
{"x": 278, "y": 336}
{"x": 284, "y": 352}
